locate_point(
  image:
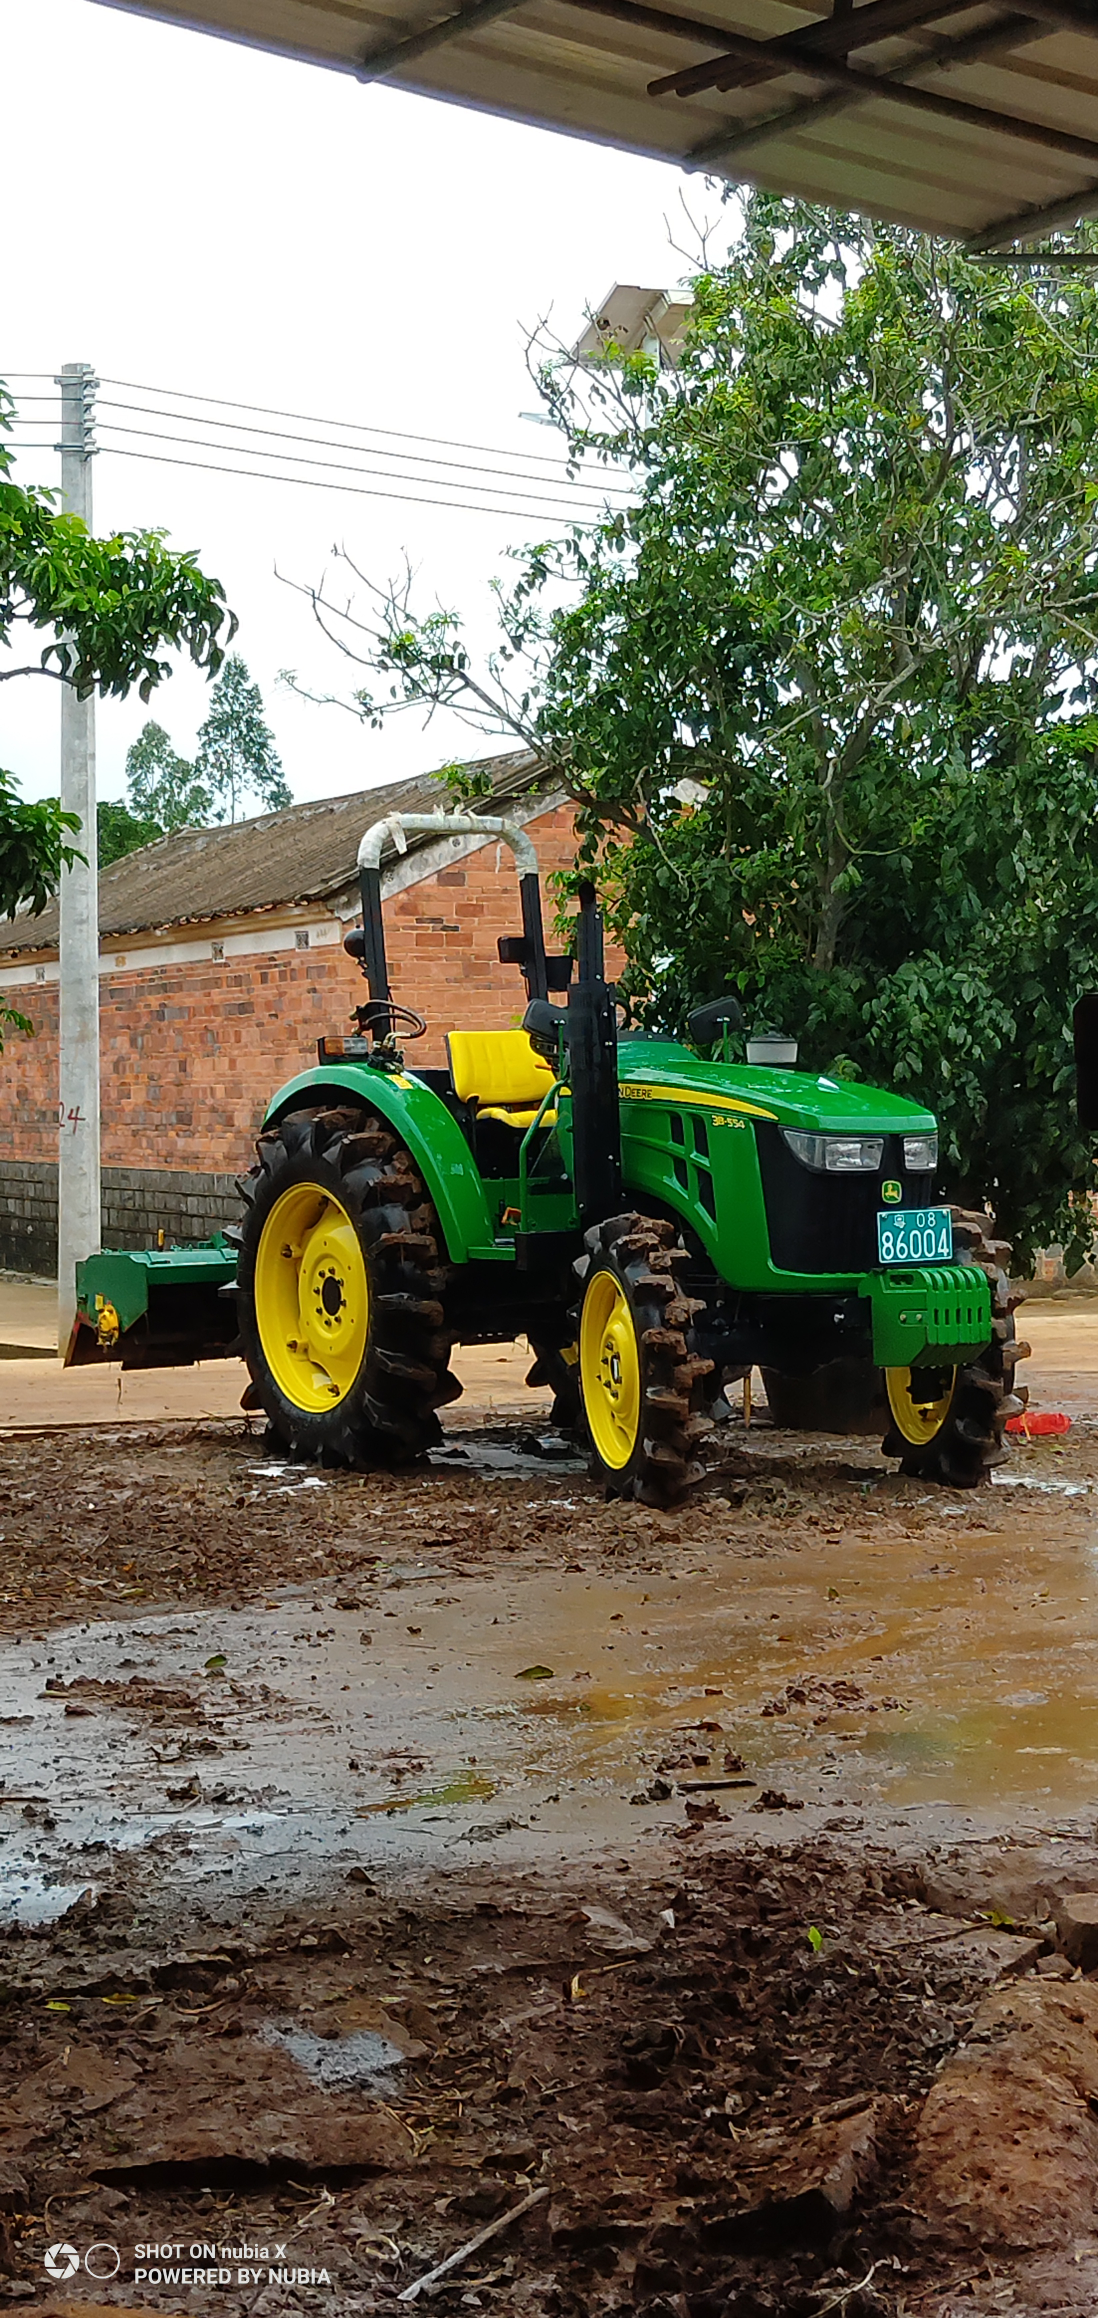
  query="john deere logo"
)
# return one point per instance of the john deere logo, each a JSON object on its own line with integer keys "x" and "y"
{"x": 893, "y": 1192}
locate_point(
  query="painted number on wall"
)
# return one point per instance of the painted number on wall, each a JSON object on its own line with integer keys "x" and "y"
{"x": 70, "y": 1118}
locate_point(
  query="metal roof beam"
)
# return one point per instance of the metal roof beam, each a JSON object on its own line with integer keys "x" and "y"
{"x": 656, "y": 20}
{"x": 1010, "y": 32}
{"x": 1038, "y": 261}
{"x": 1066, "y": 16}
{"x": 796, "y": 53}
{"x": 1029, "y": 222}
{"x": 856, "y": 87}
{"x": 396, "y": 53}
{"x": 835, "y": 36}
{"x": 831, "y": 35}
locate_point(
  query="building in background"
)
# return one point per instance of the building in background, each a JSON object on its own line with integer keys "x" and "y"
{"x": 221, "y": 963}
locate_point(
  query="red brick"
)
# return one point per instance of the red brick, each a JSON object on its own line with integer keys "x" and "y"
{"x": 192, "y": 1053}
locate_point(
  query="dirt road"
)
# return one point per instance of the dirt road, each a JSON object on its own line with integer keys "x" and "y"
{"x": 376, "y": 1851}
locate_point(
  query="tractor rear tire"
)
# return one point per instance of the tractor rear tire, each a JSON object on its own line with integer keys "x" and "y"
{"x": 341, "y": 1282}
{"x": 968, "y": 1438}
{"x": 642, "y": 1384}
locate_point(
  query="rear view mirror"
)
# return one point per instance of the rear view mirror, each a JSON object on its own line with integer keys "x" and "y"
{"x": 706, "y": 1022}
{"x": 1084, "y": 1023}
{"x": 545, "y": 1025}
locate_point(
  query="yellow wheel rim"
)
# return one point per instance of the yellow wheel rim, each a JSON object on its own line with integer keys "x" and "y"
{"x": 312, "y": 1299}
{"x": 919, "y": 1410}
{"x": 610, "y": 1370}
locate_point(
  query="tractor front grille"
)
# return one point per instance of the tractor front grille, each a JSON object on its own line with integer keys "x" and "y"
{"x": 828, "y": 1223}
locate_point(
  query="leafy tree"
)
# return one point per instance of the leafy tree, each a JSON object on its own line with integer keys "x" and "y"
{"x": 121, "y": 832}
{"x": 110, "y": 607}
{"x": 237, "y": 758}
{"x": 34, "y": 848}
{"x": 163, "y": 786}
{"x": 826, "y": 693}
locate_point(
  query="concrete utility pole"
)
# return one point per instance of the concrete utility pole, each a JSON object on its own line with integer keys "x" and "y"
{"x": 78, "y": 1212}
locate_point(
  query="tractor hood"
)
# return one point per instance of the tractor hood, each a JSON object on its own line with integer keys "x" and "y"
{"x": 660, "y": 1070}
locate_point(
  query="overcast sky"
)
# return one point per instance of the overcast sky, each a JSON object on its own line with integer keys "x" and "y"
{"x": 202, "y": 218}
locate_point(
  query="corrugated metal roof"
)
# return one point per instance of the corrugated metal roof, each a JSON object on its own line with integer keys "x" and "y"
{"x": 977, "y": 121}
{"x": 303, "y": 854}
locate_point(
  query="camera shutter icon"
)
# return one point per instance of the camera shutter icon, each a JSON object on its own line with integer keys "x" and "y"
{"x": 62, "y": 2261}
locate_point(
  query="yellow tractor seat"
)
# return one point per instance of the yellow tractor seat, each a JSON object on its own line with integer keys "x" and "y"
{"x": 499, "y": 1071}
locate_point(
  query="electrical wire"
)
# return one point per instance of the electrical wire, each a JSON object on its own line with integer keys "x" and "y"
{"x": 306, "y": 418}
{"x": 340, "y": 466}
{"x": 359, "y": 490}
{"x": 322, "y": 442}
{"x": 544, "y": 492}
{"x": 536, "y": 509}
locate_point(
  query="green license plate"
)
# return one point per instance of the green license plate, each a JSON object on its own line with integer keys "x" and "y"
{"x": 915, "y": 1235}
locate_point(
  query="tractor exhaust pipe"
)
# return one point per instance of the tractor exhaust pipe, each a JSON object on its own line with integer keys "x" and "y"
{"x": 593, "y": 1071}
{"x": 397, "y": 828}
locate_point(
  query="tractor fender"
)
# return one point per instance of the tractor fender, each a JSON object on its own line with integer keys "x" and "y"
{"x": 428, "y": 1129}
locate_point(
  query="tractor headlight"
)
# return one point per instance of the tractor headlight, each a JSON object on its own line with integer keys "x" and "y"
{"x": 836, "y": 1154}
{"x": 920, "y": 1153}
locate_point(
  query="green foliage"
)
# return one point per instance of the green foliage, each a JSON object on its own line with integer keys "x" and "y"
{"x": 34, "y": 848}
{"x": 237, "y": 759}
{"x": 120, "y": 601}
{"x": 162, "y": 785}
{"x": 826, "y": 693}
{"x": 121, "y": 832}
{"x": 466, "y": 784}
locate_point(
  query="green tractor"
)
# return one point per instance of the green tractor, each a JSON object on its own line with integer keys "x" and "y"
{"x": 655, "y": 1223}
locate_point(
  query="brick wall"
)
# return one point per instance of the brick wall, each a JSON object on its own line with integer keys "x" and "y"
{"x": 190, "y": 1053}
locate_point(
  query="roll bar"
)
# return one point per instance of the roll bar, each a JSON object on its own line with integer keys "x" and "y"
{"x": 397, "y": 828}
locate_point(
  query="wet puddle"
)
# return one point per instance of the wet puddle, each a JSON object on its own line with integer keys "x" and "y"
{"x": 897, "y": 1663}
{"x": 364, "y": 2058}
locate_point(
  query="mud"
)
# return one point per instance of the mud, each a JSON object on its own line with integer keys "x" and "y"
{"x": 377, "y": 1850}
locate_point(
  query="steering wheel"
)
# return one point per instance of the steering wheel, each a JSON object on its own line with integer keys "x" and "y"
{"x": 380, "y": 1015}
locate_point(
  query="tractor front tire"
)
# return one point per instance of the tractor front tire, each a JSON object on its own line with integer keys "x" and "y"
{"x": 641, "y": 1382}
{"x": 948, "y": 1424}
{"x": 341, "y": 1282}
{"x": 558, "y": 1366}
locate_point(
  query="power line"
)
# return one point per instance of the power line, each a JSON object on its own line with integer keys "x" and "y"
{"x": 309, "y": 482}
{"x": 293, "y": 458}
{"x": 307, "y": 418}
{"x": 279, "y": 434}
{"x": 545, "y": 495}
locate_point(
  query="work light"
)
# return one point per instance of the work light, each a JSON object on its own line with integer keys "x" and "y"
{"x": 920, "y": 1153}
{"x": 836, "y": 1154}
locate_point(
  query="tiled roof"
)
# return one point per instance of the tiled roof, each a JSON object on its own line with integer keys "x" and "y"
{"x": 303, "y": 854}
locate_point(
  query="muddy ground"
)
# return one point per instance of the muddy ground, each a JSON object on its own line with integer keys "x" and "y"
{"x": 376, "y": 1853}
